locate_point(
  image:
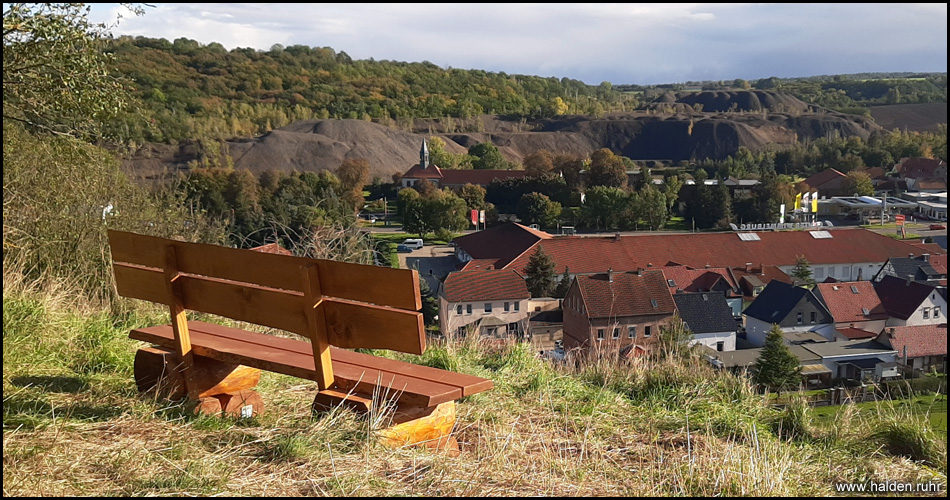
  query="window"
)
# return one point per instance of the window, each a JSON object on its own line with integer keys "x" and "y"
{"x": 653, "y": 303}
{"x": 936, "y": 312}
{"x": 488, "y": 307}
{"x": 819, "y": 273}
{"x": 468, "y": 309}
{"x": 720, "y": 345}
{"x": 814, "y": 316}
{"x": 632, "y": 331}
{"x": 798, "y": 318}
{"x": 518, "y": 306}
{"x": 507, "y": 306}
{"x": 646, "y": 332}
{"x": 854, "y": 289}
{"x": 600, "y": 334}
{"x": 616, "y": 333}
{"x": 926, "y": 312}
{"x": 458, "y": 309}
{"x": 461, "y": 332}
{"x": 513, "y": 328}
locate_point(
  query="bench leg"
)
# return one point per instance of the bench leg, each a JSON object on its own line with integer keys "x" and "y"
{"x": 241, "y": 404}
{"x": 157, "y": 368}
{"x": 411, "y": 425}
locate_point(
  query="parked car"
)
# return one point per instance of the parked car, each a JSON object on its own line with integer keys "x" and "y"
{"x": 938, "y": 227}
{"x": 413, "y": 243}
{"x": 403, "y": 248}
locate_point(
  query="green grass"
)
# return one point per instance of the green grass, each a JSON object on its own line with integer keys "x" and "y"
{"x": 933, "y": 406}
{"x": 74, "y": 425}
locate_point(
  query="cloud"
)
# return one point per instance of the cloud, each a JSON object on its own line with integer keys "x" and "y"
{"x": 619, "y": 42}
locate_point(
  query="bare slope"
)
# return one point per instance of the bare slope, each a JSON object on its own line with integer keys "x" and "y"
{"x": 671, "y": 130}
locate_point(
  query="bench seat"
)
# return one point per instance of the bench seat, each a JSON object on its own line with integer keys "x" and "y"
{"x": 361, "y": 373}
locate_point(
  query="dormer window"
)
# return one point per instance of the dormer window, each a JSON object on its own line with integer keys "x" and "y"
{"x": 653, "y": 303}
{"x": 854, "y": 289}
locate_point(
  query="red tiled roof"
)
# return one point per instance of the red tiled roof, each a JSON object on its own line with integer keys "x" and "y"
{"x": 417, "y": 172}
{"x": 919, "y": 168}
{"x": 484, "y": 284}
{"x": 856, "y": 333}
{"x": 502, "y": 243}
{"x": 479, "y": 264}
{"x": 629, "y": 294}
{"x": 845, "y": 305}
{"x": 830, "y": 175}
{"x": 479, "y": 177}
{"x": 933, "y": 249}
{"x": 939, "y": 263}
{"x": 696, "y": 280}
{"x": 585, "y": 255}
{"x": 920, "y": 340}
{"x": 874, "y": 172}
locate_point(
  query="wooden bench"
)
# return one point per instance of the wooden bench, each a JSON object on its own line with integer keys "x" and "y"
{"x": 334, "y": 305}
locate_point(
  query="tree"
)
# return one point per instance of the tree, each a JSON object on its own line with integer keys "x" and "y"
{"x": 438, "y": 156}
{"x": 672, "y": 191}
{"x": 651, "y": 204}
{"x": 802, "y": 272}
{"x": 536, "y": 208}
{"x": 603, "y": 205}
{"x": 563, "y": 284}
{"x": 353, "y": 174}
{"x": 540, "y": 274}
{"x": 56, "y": 77}
{"x": 570, "y": 167}
{"x": 487, "y": 157}
{"x": 538, "y": 163}
{"x": 430, "y": 304}
{"x": 777, "y": 368}
{"x": 858, "y": 183}
{"x": 606, "y": 169}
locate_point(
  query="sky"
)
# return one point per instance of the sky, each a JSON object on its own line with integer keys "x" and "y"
{"x": 620, "y": 43}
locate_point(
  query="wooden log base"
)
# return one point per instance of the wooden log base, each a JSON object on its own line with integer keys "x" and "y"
{"x": 158, "y": 369}
{"x": 242, "y": 404}
{"x": 210, "y": 406}
{"x": 411, "y": 425}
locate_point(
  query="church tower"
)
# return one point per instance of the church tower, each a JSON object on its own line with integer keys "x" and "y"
{"x": 424, "y": 155}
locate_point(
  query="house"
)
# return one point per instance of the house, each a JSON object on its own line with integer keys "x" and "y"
{"x": 794, "y": 309}
{"x": 856, "y": 359}
{"x": 926, "y": 268}
{"x": 920, "y": 347}
{"x": 453, "y": 178}
{"x": 742, "y": 360}
{"x": 720, "y": 279}
{"x": 753, "y": 279}
{"x": 828, "y": 182}
{"x": 709, "y": 318}
{"x": 621, "y": 311}
{"x": 491, "y": 302}
{"x": 843, "y": 253}
{"x": 921, "y": 168}
{"x": 910, "y": 303}
{"x": 855, "y": 307}
{"x": 546, "y": 329}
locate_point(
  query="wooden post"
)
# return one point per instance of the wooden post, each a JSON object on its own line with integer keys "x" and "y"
{"x": 176, "y": 308}
{"x": 317, "y": 325}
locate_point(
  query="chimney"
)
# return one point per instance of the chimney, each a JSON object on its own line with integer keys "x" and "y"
{"x": 910, "y": 278}
{"x": 910, "y": 256}
{"x": 610, "y": 275}
{"x": 926, "y": 257}
{"x": 639, "y": 271}
{"x": 890, "y": 332}
{"x": 617, "y": 237}
{"x": 748, "y": 267}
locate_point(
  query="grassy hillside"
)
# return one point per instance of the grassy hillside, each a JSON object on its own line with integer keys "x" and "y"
{"x": 74, "y": 425}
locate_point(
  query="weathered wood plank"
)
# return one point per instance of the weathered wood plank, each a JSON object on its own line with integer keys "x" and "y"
{"x": 384, "y": 286}
{"x": 469, "y": 384}
{"x": 262, "y": 353}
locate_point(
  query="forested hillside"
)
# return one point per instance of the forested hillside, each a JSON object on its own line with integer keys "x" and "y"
{"x": 192, "y": 91}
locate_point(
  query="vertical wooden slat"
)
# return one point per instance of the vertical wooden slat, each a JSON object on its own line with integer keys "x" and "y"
{"x": 179, "y": 316}
{"x": 317, "y": 323}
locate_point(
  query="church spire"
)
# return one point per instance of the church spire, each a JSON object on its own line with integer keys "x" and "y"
{"x": 424, "y": 155}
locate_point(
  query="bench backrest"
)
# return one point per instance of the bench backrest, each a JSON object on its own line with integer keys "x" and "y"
{"x": 330, "y": 303}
